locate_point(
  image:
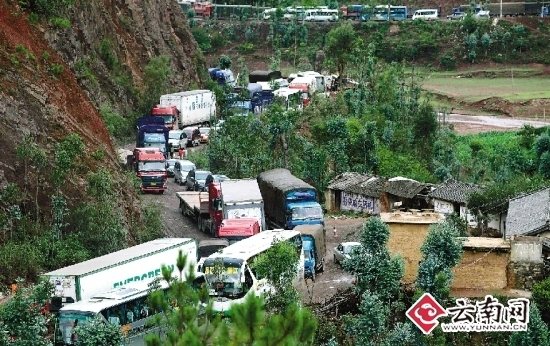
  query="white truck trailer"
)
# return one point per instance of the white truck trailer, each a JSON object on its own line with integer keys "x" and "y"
{"x": 195, "y": 106}
{"x": 138, "y": 263}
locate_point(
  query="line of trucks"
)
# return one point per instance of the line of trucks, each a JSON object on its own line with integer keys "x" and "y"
{"x": 237, "y": 209}
{"x": 153, "y": 147}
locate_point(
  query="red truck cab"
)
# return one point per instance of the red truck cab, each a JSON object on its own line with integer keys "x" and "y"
{"x": 238, "y": 229}
{"x": 203, "y": 9}
{"x": 170, "y": 114}
{"x": 150, "y": 167}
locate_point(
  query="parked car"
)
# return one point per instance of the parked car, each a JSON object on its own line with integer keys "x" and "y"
{"x": 344, "y": 250}
{"x": 204, "y": 131}
{"x": 181, "y": 169}
{"x": 196, "y": 180}
{"x": 457, "y": 14}
{"x": 170, "y": 167}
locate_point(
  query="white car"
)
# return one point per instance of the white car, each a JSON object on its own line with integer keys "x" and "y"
{"x": 344, "y": 250}
{"x": 181, "y": 169}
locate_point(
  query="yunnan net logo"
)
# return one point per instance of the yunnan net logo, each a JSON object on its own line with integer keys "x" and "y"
{"x": 487, "y": 315}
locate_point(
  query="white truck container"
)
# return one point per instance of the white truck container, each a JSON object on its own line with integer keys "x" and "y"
{"x": 195, "y": 106}
{"x": 137, "y": 263}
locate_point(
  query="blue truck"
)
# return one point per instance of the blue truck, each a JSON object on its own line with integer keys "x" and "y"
{"x": 314, "y": 245}
{"x": 152, "y": 132}
{"x": 288, "y": 200}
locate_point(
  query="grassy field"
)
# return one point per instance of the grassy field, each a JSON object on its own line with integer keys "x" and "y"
{"x": 475, "y": 89}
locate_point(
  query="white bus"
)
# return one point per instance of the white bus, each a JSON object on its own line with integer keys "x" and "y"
{"x": 321, "y": 15}
{"x": 230, "y": 276}
{"x": 123, "y": 306}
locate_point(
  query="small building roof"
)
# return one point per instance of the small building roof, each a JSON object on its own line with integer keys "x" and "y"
{"x": 529, "y": 214}
{"x": 345, "y": 180}
{"x": 372, "y": 187}
{"x": 454, "y": 191}
{"x": 361, "y": 184}
{"x": 404, "y": 187}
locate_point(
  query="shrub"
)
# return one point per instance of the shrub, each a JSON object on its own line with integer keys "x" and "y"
{"x": 60, "y": 22}
{"x": 19, "y": 260}
{"x": 448, "y": 61}
{"x": 106, "y": 52}
{"x": 246, "y": 48}
{"x": 117, "y": 125}
{"x": 47, "y": 8}
{"x": 56, "y": 69}
{"x": 202, "y": 38}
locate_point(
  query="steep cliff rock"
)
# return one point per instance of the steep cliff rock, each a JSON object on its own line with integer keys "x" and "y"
{"x": 41, "y": 96}
{"x": 136, "y": 31}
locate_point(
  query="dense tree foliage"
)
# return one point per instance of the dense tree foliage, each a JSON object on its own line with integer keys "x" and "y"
{"x": 188, "y": 319}
{"x": 23, "y": 320}
{"x": 441, "y": 252}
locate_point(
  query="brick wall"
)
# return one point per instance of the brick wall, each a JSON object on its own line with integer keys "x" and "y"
{"x": 481, "y": 270}
{"x": 406, "y": 240}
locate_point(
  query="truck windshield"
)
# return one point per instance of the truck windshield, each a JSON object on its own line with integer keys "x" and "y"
{"x": 68, "y": 320}
{"x": 224, "y": 277}
{"x": 149, "y": 166}
{"x": 305, "y": 213}
{"x": 168, "y": 119}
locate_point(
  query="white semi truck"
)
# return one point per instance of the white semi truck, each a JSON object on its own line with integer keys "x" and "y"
{"x": 140, "y": 263}
{"x": 195, "y": 106}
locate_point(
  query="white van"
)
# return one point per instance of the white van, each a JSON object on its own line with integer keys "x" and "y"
{"x": 426, "y": 14}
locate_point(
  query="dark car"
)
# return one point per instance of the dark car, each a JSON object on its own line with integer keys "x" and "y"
{"x": 170, "y": 167}
{"x": 196, "y": 180}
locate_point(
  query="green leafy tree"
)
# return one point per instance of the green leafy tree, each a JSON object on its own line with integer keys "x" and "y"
{"x": 486, "y": 42}
{"x": 279, "y": 265}
{"x": 544, "y": 165}
{"x": 65, "y": 156}
{"x": 156, "y": 80}
{"x": 372, "y": 326}
{"x": 542, "y": 145}
{"x": 441, "y": 251}
{"x": 23, "y": 321}
{"x": 224, "y": 62}
{"x": 541, "y": 296}
{"x": 98, "y": 333}
{"x": 537, "y": 331}
{"x": 100, "y": 220}
{"x": 376, "y": 271}
{"x": 340, "y": 45}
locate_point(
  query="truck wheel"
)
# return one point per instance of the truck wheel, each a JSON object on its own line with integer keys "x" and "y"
{"x": 335, "y": 260}
{"x": 322, "y": 269}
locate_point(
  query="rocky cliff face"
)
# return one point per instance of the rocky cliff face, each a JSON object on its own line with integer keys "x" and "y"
{"x": 53, "y": 80}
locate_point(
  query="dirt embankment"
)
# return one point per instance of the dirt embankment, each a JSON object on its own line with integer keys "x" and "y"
{"x": 41, "y": 95}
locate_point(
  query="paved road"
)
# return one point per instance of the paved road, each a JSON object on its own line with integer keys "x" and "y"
{"x": 496, "y": 121}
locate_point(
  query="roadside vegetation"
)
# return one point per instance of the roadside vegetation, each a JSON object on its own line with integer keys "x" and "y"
{"x": 34, "y": 240}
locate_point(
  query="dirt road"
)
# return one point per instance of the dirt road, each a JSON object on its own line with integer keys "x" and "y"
{"x": 467, "y": 124}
